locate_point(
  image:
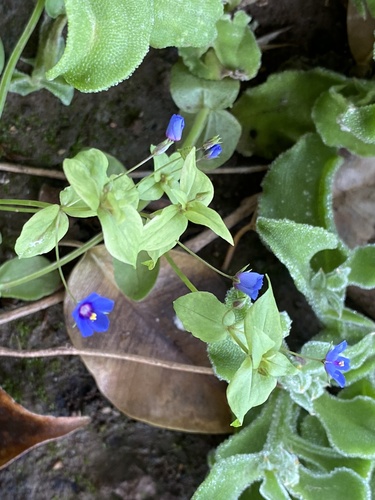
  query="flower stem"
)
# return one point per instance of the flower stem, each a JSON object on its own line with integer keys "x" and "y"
{"x": 179, "y": 273}
{"x": 58, "y": 261}
{"x": 55, "y": 265}
{"x": 25, "y": 203}
{"x": 17, "y": 51}
{"x": 302, "y": 356}
{"x": 197, "y": 128}
{"x": 204, "y": 262}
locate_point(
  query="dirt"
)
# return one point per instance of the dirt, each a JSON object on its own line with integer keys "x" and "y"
{"x": 116, "y": 457}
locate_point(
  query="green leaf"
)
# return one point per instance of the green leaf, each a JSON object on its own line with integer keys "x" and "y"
{"x": 164, "y": 229}
{"x": 339, "y": 484}
{"x": 248, "y": 388}
{"x": 277, "y": 364}
{"x": 136, "y": 283}
{"x": 230, "y": 477}
{"x": 122, "y": 232}
{"x": 360, "y": 122}
{"x": 42, "y": 232}
{"x": 310, "y": 187}
{"x": 263, "y": 316}
{"x": 198, "y": 213}
{"x": 191, "y": 94}
{"x": 295, "y": 245}
{"x": 272, "y": 487}
{"x": 236, "y": 47}
{"x": 86, "y": 173}
{"x": 106, "y": 42}
{"x": 32, "y": 290}
{"x": 226, "y": 357}
{"x": 202, "y": 314}
{"x": 194, "y": 183}
{"x": 275, "y": 114}
{"x": 182, "y": 24}
{"x": 328, "y": 113}
{"x": 73, "y": 205}
{"x": 219, "y": 122}
{"x": 251, "y": 438}
{"x": 362, "y": 262}
{"x": 348, "y": 423}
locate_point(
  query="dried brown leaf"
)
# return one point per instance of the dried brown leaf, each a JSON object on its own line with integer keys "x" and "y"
{"x": 174, "y": 399}
{"x": 22, "y": 430}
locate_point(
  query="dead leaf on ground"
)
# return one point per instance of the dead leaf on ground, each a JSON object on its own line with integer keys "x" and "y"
{"x": 22, "y": 430}
{"x": 160, "y": 396}
{"x": 354, "y": 209}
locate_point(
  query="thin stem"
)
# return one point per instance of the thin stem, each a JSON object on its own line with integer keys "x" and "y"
{"x": 204, "y": 262}
{"x": 233, "y": 334}
{"x": 179, "y": 273}
{"x": 298, "y": 355}
{"x": 58, "y": 261}
{"x": 196, "y": 130}
{"x": 17, "y": 210}
{"x": 135, "y": 358}
{"x": 25, "y": 203}
{"x": 52, "y": 267}
{"x": 138, "y": 165}
{"x": 17, "y": 51}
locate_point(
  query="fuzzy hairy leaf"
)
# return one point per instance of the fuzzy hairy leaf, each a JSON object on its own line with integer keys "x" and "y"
{"x": 107, "y": 40}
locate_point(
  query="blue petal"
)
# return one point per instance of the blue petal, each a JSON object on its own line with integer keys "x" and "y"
{"x": 101, "y": 324}
{"x": 346, "y": 363}
{"x": 339, "y": 377}
{"x": 85, "y": 326}
{"x": 175, "y": 128}
{"x": 102, "y": 304}
{"x": 332, "y": 355}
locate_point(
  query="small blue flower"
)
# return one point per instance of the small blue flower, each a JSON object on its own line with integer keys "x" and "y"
{"x": 90, "y": 314}
{"x": 249, "y": 283}
{"x": 335, "y": 364}
{"x": 213, "y": 152}
{"x": 175, "y": 127}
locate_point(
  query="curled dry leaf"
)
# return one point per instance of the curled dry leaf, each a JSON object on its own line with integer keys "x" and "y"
{"x": 171, "y": 398}
{"x": 354, "y": 211}
{"x": 22, "y": 430}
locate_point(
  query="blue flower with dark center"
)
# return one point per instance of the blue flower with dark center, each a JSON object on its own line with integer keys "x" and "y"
{"x": 90, "y": 314}
{"x": 213, "y": 152}
{"x": 249, "y": 283}
{"x": 334, "y": 364}
{"x": 175, "y": 127}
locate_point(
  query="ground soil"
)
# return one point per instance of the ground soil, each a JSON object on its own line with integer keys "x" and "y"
{"x": 116, "y": 457}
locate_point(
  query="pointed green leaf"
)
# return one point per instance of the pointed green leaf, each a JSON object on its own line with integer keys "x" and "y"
{"x": 73, "y": 205}
{"x": 198, "y": 213}
{"x": 194, "y": 183}
{"x": 122, "y": 233}
{"x": 164, "y": 229}
{"x": 226, "y": 357}
{"x": 32, "y": 290}
{"x": 106, "y": 42}
{"x": 263, "y": 316}
{"x": 87, "y": 174}
{"x": 202, "y": 314}
{"x": 42, "y": 232}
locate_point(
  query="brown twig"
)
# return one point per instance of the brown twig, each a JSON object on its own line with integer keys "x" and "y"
{"x": 22, "y": 311}
{"x": 71, "y": 351}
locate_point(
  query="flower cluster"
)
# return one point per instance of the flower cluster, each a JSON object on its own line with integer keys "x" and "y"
{"x": 90, "y": 314}
{"x": 334, "y": 364}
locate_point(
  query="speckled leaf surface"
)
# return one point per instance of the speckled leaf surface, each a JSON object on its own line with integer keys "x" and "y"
{"x": 107, "y": 40}
{"x": 185, "y": 24}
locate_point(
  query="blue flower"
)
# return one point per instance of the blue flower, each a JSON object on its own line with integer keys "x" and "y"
{"x": 90, "y": 314}
{"x": 213, "y": 152}
{"x": 249, "y": 283}
{"x": 175, "y": 127}
{"x": 335, "y": 364}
